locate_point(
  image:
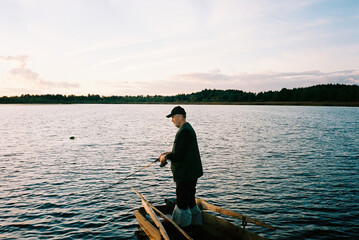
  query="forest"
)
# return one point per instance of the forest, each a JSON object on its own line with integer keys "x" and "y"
{"x": 329, "y": 94}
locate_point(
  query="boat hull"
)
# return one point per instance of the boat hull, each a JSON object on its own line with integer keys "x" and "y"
{"x": 214, "y": 227}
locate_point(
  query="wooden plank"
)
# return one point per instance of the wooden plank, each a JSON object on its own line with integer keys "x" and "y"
{"x": 147, "y": 227}
{"x": 224, "y": 230}
{"x": 158, "y": 223}
{"x": 207, "y": 206}
{"x": 163, "y": 215}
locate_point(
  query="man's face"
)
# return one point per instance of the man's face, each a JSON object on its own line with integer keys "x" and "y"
{"x": 176, "y": 119}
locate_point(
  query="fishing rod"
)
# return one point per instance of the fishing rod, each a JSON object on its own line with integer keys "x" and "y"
{"x": 157, "y": 160}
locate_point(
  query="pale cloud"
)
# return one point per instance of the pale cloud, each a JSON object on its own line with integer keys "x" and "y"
{"x": 208, "y": 78}
{"x": 24, "y": 75}
{"x": 161, "y": 52}
{"x": 316, "y": 23}
{"x": 122, "y": 88}
{"x": 294, "y": 5}
{"x": 252, "y": 82}
{"x": 107, "y": 45}
{"x": 268, "y": 80}
{"x": 27, "y": 78}
{"x": 20, "y": 60}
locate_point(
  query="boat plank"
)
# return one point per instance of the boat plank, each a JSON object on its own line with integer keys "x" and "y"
{"x": 214, "y": 226}
{"x": 207, "y": 206}
{"x": 144, "y": 200}
{"x": 222, "y": 229}
{"x": 149, "y": 229}
{"x": 158, "y": 223}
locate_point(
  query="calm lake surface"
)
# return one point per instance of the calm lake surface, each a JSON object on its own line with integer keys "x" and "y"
{"x": 294, "y": 167}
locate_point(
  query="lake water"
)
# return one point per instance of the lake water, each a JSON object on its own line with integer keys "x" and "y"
{"x": 294, "y": 167}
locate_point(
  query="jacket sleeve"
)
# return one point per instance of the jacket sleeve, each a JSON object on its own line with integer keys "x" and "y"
{"x": 184, "y": 140}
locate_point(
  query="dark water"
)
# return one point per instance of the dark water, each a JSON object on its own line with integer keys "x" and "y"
{"x": 296, "y": 168}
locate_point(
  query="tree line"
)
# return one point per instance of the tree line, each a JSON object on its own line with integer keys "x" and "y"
{"x": 329, "y": 93}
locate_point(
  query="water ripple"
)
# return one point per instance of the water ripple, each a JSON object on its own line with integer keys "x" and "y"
{"x": 293, "y": 167}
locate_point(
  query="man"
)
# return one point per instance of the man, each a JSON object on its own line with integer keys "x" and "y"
{"x": 186, "y": 168}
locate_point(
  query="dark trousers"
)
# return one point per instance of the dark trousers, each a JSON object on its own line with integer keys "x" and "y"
{"x": 185, "y": 194}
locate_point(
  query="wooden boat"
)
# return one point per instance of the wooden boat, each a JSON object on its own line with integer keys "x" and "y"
{"x": 214, "y": 227}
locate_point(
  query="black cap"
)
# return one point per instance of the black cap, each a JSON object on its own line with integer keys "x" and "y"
{"x": 177, "y": 110}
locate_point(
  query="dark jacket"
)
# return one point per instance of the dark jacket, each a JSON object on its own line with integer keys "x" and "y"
{"x": 185, "y": 158}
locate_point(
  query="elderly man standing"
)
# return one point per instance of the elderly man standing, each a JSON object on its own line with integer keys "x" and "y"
{"x": 186, "y": 168}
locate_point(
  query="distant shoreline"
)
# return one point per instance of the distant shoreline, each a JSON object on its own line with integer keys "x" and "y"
{"x": 336, "y": 104}
{"x": 319, "y": 95}
{"x": 323, "y": 104}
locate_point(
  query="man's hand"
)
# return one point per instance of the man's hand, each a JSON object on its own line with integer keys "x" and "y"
{"x": 162, "y": 158}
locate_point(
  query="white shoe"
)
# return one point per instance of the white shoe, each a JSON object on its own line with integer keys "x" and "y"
{"x": 182, "y": 218}
{"x": 196, "y": 216}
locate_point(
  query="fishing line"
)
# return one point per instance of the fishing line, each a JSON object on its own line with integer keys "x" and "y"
{"x": 122, "y": 180}
{"x": 97, "y": 194}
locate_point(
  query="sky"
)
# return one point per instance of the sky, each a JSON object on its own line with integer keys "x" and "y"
{"x": 169, "y": 47}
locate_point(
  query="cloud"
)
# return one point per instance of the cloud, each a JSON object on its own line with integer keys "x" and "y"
{"x": 28, "y": 78}
{"x": 131, "y": 88}
{"x": 210, "y": 78}
{"x": 24, "y": 74}
{"x": 108, "y": 45}
{"x": 267, "y": 81}
{"x": 18, "y": 60}
{"x": 252, "y": 82}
